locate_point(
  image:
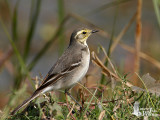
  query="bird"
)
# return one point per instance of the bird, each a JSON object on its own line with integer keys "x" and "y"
{"x": 69, "y": 69}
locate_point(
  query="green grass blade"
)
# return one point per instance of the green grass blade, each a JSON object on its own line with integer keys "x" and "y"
{"x": 89, "y": 102}
{"x": 96, "y": 99}
{"x": 14, "y": 47}
{"x": 32, "y": 27}
{"x": 156, "y": 4}
{"x": 146, "y": 90}
{"x": 61, "y": 15}
{"x": 17, "y": 53}
{"x": 14, "y": 22}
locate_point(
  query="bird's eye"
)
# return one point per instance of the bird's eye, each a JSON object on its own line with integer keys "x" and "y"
{"x": 84, "y": 32}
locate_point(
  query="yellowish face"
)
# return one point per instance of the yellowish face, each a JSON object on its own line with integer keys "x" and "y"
{"x": 83, "y": 35}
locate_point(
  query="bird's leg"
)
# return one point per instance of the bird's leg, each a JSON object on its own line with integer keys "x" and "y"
{"x": 69, "y": 106}
{"x": 67, "y": 101}
{"x": 66, "y": 92}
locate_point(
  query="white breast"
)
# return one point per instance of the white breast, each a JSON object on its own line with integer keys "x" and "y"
{"x": 84, "y": 67}
{"x": 85, "y": 64}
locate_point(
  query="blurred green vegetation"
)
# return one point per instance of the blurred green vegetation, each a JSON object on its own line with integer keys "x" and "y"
{"x": 104, "y": 101}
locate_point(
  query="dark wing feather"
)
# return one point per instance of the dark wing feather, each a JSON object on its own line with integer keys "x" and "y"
{"x": 66, "y": 63}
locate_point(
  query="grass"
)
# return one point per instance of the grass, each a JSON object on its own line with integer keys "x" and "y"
{"x": 156, "y": 4}
{"x": 114, "y": 102}
{"x": 33, "y": 21}
{"x": 61, "y": 16}
{"x": 117, "y": 106}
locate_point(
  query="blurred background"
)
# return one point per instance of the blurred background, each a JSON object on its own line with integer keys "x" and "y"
{"x": 34, "y": 33}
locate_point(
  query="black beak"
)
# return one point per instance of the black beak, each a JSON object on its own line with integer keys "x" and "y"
{"x": 94, "y": 31}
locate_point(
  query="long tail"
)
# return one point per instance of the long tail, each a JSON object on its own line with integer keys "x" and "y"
{"x": 34, "y": 95}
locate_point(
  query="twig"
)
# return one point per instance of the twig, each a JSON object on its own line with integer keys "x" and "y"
{"x": 138, "y": 39}
{"x": 146, "y": 57}
{"x": 114, "y": 70}
{"x": 70, "y": 112}
{"x": 107, "y": 72}
{"x": 69, "y": 108}
{"x": 101, "y": 116}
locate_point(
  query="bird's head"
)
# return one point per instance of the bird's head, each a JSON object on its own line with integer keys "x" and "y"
{"x": 81, "y": 35}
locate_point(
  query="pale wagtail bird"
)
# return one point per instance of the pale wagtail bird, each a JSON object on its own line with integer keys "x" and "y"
{"x": 70, "y": 68}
